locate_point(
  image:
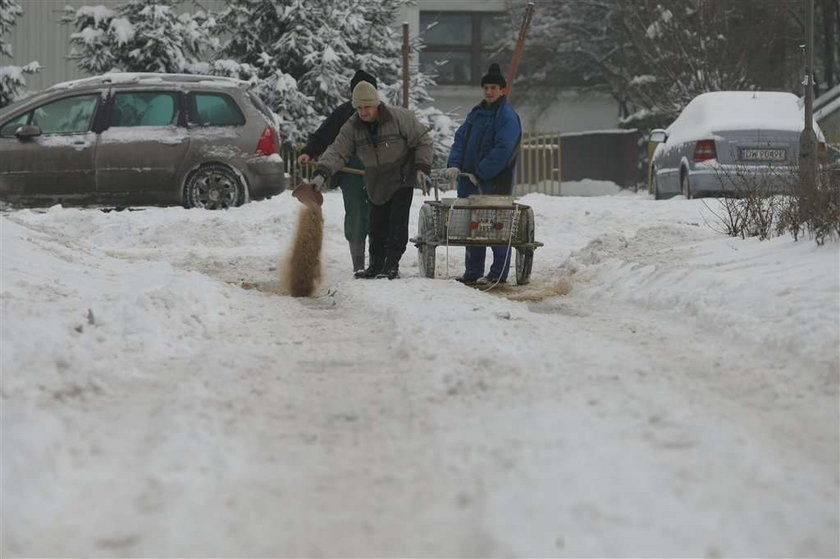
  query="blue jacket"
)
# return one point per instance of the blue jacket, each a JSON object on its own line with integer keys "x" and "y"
{"x": 487, "y": 145}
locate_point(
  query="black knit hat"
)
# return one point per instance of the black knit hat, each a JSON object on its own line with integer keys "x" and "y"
{"x": 362, "y": 76}
{"x": 494, "y": 75}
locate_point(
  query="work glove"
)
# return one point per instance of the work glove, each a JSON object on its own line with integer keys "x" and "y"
{"x": 473, "y": 179}
{"x": 318, "y": 180}
{"x": 424, "y": 181}
{"x": 452, "y": 173}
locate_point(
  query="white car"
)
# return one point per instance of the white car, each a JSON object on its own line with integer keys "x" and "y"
{"x": 727, "y": 140}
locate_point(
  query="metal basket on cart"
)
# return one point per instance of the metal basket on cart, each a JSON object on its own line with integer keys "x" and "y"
{"x": 476, "y": 221}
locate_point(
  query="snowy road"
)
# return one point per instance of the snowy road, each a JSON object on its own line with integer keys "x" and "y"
{"x": 659, "y": 390}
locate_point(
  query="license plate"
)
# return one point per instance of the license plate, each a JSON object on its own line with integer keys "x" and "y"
{"x": 758, "y": 154}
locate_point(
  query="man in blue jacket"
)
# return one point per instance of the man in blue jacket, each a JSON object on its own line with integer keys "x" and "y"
{"x": 487, "y": 146}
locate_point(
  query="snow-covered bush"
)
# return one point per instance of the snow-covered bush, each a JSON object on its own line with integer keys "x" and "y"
{"x": 12, "y": 78}
{"x": 303, "y": 53}
{"x": 139, "y": 36}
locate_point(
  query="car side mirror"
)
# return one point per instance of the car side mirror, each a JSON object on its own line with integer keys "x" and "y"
{"x": 658, "y": 136}
{"x": 27, "y": 132}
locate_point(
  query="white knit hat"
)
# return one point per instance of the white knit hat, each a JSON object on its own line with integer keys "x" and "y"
{"x": 364, "y": 94}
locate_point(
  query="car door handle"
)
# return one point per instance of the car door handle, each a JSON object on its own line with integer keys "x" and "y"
{"x": 80, "y": 145}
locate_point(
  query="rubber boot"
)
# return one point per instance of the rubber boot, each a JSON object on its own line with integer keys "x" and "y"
{"x": 373, "y": 270}
{"x": 357, "y": 253}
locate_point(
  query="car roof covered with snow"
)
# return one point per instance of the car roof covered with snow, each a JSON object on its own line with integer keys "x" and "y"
{"x": 713, "y": 112}
{"x": 116, "y": 78}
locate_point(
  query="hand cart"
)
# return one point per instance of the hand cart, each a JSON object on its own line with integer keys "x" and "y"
{"x": 480, "y": 220}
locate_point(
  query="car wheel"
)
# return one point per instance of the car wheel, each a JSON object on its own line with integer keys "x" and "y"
{"x": 213, "y": 187}
{"x": 685, "y": 186}
{"x": 656, "y": 194}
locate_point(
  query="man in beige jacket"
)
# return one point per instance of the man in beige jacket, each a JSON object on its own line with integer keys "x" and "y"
{"x": 396, "y": 150}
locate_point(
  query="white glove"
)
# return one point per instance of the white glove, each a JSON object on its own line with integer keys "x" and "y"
{"x": 424, "y": 181}
{"x": 452, "y": 173}
{"x": 317, "y": 181}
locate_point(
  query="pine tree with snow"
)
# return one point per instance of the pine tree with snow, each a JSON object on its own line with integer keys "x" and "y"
{"x": 12, "y": 78}
{"x": 303, "y": 53}
{"x": 139, "y": 36}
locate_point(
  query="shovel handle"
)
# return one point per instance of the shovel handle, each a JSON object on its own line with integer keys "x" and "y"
{"x": 349, "y": 170}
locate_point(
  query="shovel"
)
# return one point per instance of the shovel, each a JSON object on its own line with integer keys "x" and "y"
{"x": 308, "y": 195}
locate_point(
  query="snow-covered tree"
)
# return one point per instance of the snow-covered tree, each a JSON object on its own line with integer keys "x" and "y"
{"x": 303, "y": 53}
{"x": 655, "y": 56}
{"x": 12, "y": 78}
{"x": 139, "y": 36}
{"x": 299, "y": 54}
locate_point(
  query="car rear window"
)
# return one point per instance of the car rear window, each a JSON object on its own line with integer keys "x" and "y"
{"x": 144, "y": 108}
{"x": 213, "y": 109}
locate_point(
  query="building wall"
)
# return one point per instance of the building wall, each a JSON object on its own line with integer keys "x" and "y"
{"x": 571, "y": 111}
{"x": 38, "y": 36}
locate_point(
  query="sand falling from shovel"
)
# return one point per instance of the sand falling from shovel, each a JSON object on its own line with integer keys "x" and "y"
{"x": 303, "y": 269}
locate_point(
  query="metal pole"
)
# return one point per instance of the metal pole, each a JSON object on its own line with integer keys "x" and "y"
{"x": 406, "y": 48}
{"x": 808, "y": 139}
{"x": 520, "y": 44}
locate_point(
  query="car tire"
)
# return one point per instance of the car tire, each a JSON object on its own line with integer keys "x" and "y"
{"x": 685, "y": 186}
{"x": 656, "y": 194}
{"x": 214, "y": 187}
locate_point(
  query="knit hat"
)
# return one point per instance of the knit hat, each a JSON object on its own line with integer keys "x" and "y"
{"x": 362, "y": 76}
{"x": 494, "y": 75}
{"x": 364, "y": 94}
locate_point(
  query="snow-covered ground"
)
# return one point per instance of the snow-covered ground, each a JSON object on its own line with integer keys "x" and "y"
{"x": 659, "y": 389}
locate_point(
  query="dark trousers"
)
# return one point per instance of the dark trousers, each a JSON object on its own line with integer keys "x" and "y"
{"x": 356, "y": 209}
{"x": 389, "y": 226}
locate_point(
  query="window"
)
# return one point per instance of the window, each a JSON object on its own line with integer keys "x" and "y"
{"x": 214, "y": 109}
{"x": 11, "y": 127}
{"x": 65, "y": 116}
{"x": 465, "y": 41}
{"x": 144, "y": 108}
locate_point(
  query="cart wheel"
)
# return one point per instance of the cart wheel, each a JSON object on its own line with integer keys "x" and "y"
{"x": 525, "y": 256}
{"x": 524, "y": 261}
{"x": 426, "y": 260}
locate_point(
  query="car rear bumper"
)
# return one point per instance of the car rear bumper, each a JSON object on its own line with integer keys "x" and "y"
{"x": 266, "y": 177}
{"x": 734, "y": 178}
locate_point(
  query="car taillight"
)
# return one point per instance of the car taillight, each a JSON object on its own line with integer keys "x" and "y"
{"x": 268, "y": 142}
{"x": 704, "y": 150}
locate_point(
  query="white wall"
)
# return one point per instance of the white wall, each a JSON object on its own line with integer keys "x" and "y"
{"x": 571, "y": 111}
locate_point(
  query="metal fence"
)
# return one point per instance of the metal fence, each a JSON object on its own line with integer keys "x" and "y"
{"x": 546, "y": 160}
{"x": 540, "y": 164}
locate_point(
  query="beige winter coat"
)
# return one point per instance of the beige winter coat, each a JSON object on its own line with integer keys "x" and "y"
{"x": 403, "y": 147}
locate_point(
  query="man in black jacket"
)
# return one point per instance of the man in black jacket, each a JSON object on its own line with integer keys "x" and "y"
{"x": 356, "y": 205}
